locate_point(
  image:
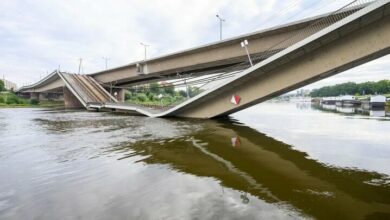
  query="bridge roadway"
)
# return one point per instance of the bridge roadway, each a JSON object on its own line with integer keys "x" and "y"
{"x": 351, "y": 40}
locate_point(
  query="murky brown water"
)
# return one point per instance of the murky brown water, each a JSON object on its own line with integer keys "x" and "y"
{"x": 273, "y": 161}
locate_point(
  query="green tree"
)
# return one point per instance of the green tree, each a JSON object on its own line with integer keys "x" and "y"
{"x": 2, "y": 86}
{"x": 366, "y": 88}
{"x": 128, "y": 95}
{"x": 182, "y": 93}
{"x": 154, "y": 88}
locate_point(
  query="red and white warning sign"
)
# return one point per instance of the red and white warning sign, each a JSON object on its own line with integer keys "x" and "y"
{"x": 235, "y": 99}
{"x": 236, "y": 142}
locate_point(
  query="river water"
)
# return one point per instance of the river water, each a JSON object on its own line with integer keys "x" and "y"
{"x": 272, "y": 161}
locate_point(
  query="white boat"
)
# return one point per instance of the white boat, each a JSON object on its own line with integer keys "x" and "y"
{"x": 347, "y": 100}
{"x": 377, "y": 101}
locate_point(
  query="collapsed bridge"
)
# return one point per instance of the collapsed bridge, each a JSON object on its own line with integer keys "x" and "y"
{"x": 284, "y": 58}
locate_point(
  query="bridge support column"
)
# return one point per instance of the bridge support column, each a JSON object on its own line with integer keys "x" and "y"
{"x": 35, "y": 95}
{"x": 42, "y": 96}
{"x": 70, "y": 100}
{"x": 119, "y": 94}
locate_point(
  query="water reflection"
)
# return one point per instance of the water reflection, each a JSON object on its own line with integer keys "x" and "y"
{"x": 270, "y": 170}
{"x": 377, "y": 113}
{"x": 93, "y": 165}
{"x": 351, "y": 110}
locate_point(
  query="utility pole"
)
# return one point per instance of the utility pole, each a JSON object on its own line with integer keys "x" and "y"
{"x": 110, "y": 91}
{"x": 81, "y": 60}
{"x": 244, "y": 44}
{"x": 185, "y": 82}
{"x": 145, "y": 47}
{"x": 220, "y": 26}
{"x": 106, "y": 59}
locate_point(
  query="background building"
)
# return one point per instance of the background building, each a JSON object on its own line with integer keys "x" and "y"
{"x": 9, "y": 85}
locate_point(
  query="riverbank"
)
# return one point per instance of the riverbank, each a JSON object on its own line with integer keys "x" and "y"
{"x": 43, "y": 104}
{"x": 10, "y": 100}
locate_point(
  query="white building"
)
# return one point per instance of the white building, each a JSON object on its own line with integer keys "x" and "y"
{"x": 9, "y": 85}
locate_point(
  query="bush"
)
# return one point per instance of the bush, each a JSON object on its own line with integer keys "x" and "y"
{"x": 12, "y": 99}
{"x": 128, "y": 95}
{"x": 34, "y": 101}
{"x": 142, "y": 97}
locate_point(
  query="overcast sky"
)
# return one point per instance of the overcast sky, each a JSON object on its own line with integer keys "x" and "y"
{"x": 37, "y": 36}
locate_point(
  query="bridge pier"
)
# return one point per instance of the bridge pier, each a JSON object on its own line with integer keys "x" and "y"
{"x": 119, "y": 94}
{"x": 35, "y": 95}
{"x": 51, "y": 96}
{"x": 70, "y": 101}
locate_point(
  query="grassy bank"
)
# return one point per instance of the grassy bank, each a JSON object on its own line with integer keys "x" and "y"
{"x": 10, "y": 100}
{"x": 154, "y": 95}
{"x": 166, "y": 101}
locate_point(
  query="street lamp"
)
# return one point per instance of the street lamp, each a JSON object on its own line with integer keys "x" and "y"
{"x": 80, "y": 63}
{"x": 220, "y": 26}
{"x": 185, "y": 83}
{"x": 106, "y": 59}
{"x": 244, "y": 44}
{"x": 145, "y": 47}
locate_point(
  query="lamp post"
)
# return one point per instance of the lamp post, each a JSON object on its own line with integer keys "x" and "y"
{"x": 185, "y": 83}
{"x": 110, "y": 91}
{"x": 106, "y": 59}
{"x": 244, "y": 44}
{"x": 220, "y": 26}
{"x": 80, "y": 63}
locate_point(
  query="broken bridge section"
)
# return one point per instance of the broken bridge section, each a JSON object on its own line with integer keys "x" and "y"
{"x": 86, "y": 90}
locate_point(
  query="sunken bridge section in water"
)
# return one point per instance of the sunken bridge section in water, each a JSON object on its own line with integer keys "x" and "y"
{"x": 228, "y": 80}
